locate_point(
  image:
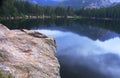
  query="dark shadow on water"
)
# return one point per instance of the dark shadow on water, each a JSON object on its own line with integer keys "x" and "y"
{"x": 80, "y": 72}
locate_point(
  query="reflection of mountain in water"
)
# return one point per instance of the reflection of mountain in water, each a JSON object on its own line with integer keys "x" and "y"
{"x": 95, "y": 32}
{"x": 91, "y": 32}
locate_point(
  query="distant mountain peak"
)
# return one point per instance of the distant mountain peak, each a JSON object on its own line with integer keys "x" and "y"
{"x": 76, "y": 3}
{"x": 86, "y": 3}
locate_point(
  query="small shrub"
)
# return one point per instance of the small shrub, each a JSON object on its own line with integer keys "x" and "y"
{"x": 9, "y": 76}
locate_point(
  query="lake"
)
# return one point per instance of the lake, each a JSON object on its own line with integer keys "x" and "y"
{"x": 85, "y": 48}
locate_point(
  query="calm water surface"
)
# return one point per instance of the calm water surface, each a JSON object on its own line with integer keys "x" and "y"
{"x": 85, "y": 48}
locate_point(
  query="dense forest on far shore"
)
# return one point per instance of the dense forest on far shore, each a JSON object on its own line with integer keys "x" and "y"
{"x": 20, "y": 8}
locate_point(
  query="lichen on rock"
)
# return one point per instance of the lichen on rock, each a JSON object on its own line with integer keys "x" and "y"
{"x": 27, "y": 54}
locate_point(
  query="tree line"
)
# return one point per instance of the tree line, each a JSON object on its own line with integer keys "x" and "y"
{"x": 23, "y": 8}
{"x": 109, "y": 12}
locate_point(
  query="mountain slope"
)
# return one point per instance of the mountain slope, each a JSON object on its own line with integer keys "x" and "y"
{"x": 86, "y": 3}
{"x": 74, "y": 3}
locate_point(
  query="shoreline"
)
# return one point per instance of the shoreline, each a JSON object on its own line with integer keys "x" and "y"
{"x": 54, "y": 17}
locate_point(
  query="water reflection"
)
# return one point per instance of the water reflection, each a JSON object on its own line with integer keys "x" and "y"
{"x": 82, "y": 57}
{"x": 113, "y": 25}
{"x": 84, "y": 49}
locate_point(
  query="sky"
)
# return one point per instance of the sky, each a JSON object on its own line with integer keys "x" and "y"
{"x": 59, "y": 0}
{"x": 110, "y": 0}
{"x": 34, "y": 1}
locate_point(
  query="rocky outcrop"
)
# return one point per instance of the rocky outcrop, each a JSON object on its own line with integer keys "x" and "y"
{"x": 27, "y": 54}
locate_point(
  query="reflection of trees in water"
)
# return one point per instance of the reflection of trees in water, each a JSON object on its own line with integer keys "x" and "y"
{"x": 36, "y": 23}
{"x": 113, "y": 25}
{"x": 22, "y": 24}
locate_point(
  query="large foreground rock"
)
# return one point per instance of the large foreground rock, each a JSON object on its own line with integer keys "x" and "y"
{"x": 27, "y": 54}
